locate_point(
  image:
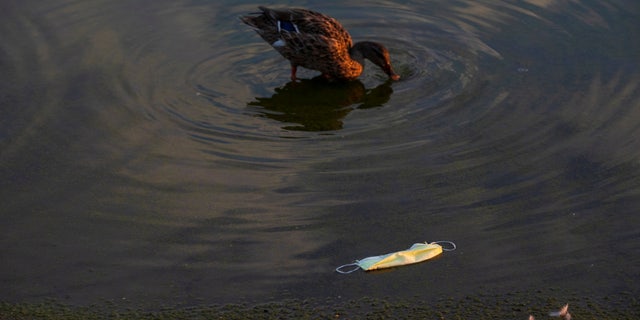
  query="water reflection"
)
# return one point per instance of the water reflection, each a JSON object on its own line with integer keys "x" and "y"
{"x": 318, "y": 105}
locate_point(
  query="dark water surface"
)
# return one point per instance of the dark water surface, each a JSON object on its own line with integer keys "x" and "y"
{"x": 155, "y": 152}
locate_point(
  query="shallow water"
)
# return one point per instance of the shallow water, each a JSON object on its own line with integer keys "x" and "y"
{"x": 155, "y": 152}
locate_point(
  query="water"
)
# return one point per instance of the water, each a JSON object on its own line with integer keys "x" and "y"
{"x": 155, "y": 152}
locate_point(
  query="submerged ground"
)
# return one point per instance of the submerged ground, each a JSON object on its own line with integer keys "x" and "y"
{"x": 516, "y": 305}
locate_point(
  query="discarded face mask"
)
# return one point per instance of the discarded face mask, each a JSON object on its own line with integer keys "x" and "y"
{"x": 417, "y": 253}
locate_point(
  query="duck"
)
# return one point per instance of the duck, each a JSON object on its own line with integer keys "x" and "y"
{"x": 316, "y": 41}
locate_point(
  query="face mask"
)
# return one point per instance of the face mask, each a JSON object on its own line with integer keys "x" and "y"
{"x": 417, "y": 253}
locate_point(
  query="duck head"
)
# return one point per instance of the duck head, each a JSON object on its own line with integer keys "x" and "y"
{"x": 376, "y": 53}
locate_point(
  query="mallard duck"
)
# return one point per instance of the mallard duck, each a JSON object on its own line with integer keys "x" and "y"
{"x": 316, "y": 41}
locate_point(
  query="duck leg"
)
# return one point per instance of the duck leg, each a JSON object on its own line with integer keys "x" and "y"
{"x": 294, "y": 68}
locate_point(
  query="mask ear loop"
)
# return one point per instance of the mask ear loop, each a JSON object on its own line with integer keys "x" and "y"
{"x": 453, "y": 245}
{"x": 339, "y": 269}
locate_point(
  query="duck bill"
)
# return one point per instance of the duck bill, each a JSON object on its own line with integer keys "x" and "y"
{"x": 392, "y": 75}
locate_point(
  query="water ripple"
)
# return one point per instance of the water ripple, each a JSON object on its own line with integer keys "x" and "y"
{"x": 167, "y": 136}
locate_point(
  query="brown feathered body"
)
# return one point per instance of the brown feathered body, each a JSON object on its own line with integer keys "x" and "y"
{"x": 312, "y": 40}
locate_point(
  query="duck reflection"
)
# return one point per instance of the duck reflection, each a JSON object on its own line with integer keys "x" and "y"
{"x": 318, "y": 105}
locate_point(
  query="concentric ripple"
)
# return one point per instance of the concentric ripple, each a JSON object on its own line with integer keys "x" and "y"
{"x": 239, "y": 84}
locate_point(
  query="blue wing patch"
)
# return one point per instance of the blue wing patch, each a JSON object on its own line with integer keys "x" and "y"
{"x": 287, "y": 26}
